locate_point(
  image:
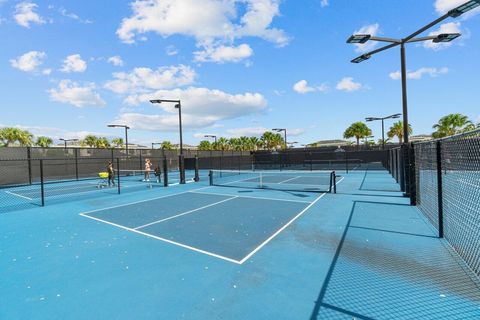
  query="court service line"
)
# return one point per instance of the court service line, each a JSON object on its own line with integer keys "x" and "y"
{"x": 251, "y": 197}
{"x": 288, "y": 180}
{"x": 18, "y": 195}
{"x": 141, "y": 201}
{"x": 185, "y": 213}
{"x": 163, "y": 239}
{"x": 281, "y": 229}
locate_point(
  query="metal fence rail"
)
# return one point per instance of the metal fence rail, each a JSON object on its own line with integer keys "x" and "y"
{"x": 448, "y": 191}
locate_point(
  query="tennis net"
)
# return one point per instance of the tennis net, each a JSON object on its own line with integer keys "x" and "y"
{"x": 306, "y": 181}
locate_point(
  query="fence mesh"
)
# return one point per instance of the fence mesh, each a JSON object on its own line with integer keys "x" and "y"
{"x": 453, "y": 205}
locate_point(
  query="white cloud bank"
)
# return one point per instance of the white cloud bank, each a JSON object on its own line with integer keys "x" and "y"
{"x": 73, "y": 93}
{"x": 25, "y": 14}
{"x": 347, "y": 84}
{"x": 417, "y": 75}
{"x": 29, "y": 62}
{"x": 145, "y": 79}
{"x": 302, "y": 87}
{"x": 222, "y": 54}
{"x": 116, "y": 61}
{"x": 74, "y": 63}
{"x": 214, "y": 24}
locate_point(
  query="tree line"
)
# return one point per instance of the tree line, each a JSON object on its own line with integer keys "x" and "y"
{"x": 448, "y": 125}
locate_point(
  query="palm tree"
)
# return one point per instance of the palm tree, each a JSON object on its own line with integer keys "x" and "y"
{"x": 204, "y": 145}
{"x": 272, "y": 141}
{"x": 11, "y": 135}
{"x": 452, "y": 124}
{"x": 90, "y": 140}
{"x": 246, "y": 144}
{"x": 167, "y": 145}
{"x": 117, "y": 142}
{"x": 102, "y": 143}
{"x": 235, "y": 144}
{"x": 255, "y": 143}
{"x": 357, "y": 130}
{"x": 396, "y": 130}
{"x": 222, "y": 144}
{"x": 44, "y": 142}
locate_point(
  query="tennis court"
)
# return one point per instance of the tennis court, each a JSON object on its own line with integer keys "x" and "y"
{"x": 238, "y": 244}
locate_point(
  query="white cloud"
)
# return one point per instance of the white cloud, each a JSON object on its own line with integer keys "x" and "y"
{"x": 222, "y": 54}
{"x": 214, "y": 24}
{"x": 73, "y": 16}
{"x": 416, "y": 75}
{"x": 144, "y": 79}
{"x": 73, "y": 63}
{"x": 347, "y": 84}
{"x": 171, "y": 51}
{"x": 302, "y": 87}
{"x": 47, "y": 71}
{"x": 73, "y": 93}
{"x": 116, "y": 61}
{"x": 201, "y": 107}
{"x": 25, "y": 14}
{"x": 373, "y": 30}
{"x": 451, "y": 27}
{"x": 29, "y": 62}
{"x": 443, "y": 6}
{"x": 324, "y": 3}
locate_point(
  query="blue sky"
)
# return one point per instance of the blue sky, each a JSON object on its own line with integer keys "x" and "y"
{"x": 240, "y": 67}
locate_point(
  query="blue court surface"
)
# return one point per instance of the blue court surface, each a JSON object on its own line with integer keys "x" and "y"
{"x": 197, "y": 251}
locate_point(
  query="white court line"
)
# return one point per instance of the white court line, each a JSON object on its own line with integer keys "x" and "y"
{"x": 288, "y": 180}
{"x": 281, "y": 229}
{"x": 146, "y": 200}
{"x": 251, "y": 197}
{"x": 185, "y": 213}
{"x": 163, "y": 239}
{"x": 18, "y": 195}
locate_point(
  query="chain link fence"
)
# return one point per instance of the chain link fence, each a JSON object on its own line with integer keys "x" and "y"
{"x": 447, "y": 176}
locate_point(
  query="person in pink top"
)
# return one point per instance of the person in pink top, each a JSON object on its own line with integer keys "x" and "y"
{"x": 148, "y": 166}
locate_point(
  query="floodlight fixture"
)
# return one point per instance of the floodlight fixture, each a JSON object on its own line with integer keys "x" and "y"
{"x": 359, "y": 38}
{"x": 458, "y": 11}
{"x": 446, "y": 37}
{"x": 126, "y": 133}
{"x": 393, "y": 116}
{"x": 362, "y": 58}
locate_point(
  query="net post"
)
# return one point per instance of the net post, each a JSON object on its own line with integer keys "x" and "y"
{"x": 334, "y": 175}
{"x": 118, "y": 176}
{"x": 210, "y": 177}
{"x": 42, "y": 184}
{"x": 440, "y": 189}
{"x": 181, "y": 168}
{"x": 197, "y": 176}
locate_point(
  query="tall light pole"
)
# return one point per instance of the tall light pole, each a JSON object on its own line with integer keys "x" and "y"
{"x": 126, "y": 133}
{"x": 393, "y": 116}
{"x": 285, "y": 134}
{"x": 444, "y": 37}
{"x": 67, "y": 140}
{"x": 178, "y": 105}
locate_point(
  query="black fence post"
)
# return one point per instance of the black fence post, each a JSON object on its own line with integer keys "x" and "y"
{"x": 402, "y": 165}
{"x": 29, "y": 159}
{"x": 181, "y": 167}
{"x": 413, "y": 182}
{"x": 76, "y": 163}
{"x": 197, "y": 175}
{"x": 165, "y": 171}
{"x": 118, "y": 176}
{"x": 346, "y": 161}
{"x": 42, "y": 184}
{"x": 440, "y": 190}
